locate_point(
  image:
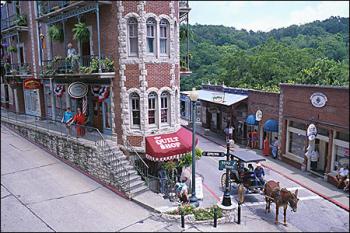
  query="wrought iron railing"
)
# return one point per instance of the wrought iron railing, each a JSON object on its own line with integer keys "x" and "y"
{"x": 17, "y": 69}
{"x": 45, "y": 7}
{"x": 77, "y": 65}
{"x": 139, "y": 164}
{"x": 183, "y": 4}
{"x": 13, "y": 20}
{"x": 113, "y": 163}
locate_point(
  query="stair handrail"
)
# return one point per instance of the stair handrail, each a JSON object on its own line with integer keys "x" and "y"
{"x": 144, "y": 168}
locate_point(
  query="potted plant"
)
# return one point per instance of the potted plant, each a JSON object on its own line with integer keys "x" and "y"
{"x": 108, "y": 65}
{"x": 81, "y": 32}
{"x": 12, "y": 49}
{"x": 55, "y": 33}
{"x": 21, "y": 20}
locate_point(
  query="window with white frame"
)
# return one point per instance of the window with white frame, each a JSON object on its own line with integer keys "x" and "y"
{"x": 164, "y": 36}
{"x": 152, "y": 100}
{"x": 132, "y": 33}
{"x": 135, "y": 109}
{"x": 151, "y": 34}
{"x": 164, "y": 107}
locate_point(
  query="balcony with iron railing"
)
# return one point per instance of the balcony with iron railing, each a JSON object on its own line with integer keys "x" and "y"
{"x": 17, "y": 69}
{"x": 184, "y": 9}
{"x": 18, "y": 22}
{"x": 78, "y": 65}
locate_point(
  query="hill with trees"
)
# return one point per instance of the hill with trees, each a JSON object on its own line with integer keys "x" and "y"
{"x": 313, "y": 53}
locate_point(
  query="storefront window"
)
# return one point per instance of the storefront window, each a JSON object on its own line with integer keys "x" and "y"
{"x": 342, "y": 136}
{"x": 297, "y": 125}
{"x": 296, "y": 144}
{"x": 341, "y": 156}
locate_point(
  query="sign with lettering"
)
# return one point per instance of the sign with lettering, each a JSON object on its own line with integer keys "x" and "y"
{"x": 318, "y": 99}
{"x": 32, "y": 83}
{"x": 167, "y": 143}
{"x": 77, "y": 90}
{"x": 223, "y": 164}
{"x": 258, "y": 115}
{"x": 213, "y": 154}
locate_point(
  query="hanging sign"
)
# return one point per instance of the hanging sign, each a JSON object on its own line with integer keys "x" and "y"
{"x": 77, "y": 90}
{"x": 311, "y": 132}
{"x": 32, "y": 83}
{"x": 318, "y": 99}
{"x": 258, "y": 115}
{"x": 59, "y": 90}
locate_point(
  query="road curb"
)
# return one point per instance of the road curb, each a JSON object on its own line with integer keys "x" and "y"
{"x": 298, "y": 182}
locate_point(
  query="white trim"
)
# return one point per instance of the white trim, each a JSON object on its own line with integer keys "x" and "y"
{"x": 293, "y": 157}
{"x": 336, "y": 142}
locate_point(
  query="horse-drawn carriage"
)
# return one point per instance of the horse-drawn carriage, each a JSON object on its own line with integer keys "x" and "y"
{"x": 240, "y": 173}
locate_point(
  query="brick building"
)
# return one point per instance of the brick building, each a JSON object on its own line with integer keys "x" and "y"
{"x": 328, "y": 108}
{"x": 122, "y": 67}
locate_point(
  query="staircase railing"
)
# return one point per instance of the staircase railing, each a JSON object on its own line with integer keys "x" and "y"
{"x": 139, "y": 164}
{"x": 112, "y": 160}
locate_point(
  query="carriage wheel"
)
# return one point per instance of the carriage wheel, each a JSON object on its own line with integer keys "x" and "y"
{"x": 223, "y": 182}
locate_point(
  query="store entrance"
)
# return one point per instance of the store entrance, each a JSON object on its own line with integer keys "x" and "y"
{"x": 322, "y": 147}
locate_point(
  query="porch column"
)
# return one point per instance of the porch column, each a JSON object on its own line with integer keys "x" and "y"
{"x": 53, "y": 101}
{"x": 67, "y": 96}
{"x": 329, "y": 152}
{"x": 98, "y": 37}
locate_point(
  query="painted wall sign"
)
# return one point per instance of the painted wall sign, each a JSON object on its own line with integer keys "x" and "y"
{"x": 258, "y": 115}
{"x": 318, "y": 99}
{"x": 32, "y": 83}
{"x": 77, "y": 89}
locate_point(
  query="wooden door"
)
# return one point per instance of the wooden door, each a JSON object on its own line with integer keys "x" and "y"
{"x": 97, "y": 117}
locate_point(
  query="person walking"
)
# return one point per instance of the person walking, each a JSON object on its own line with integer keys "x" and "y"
{"x": 275, "y": 147}
{"x": 67, "y": 118}
{"x": 80, "y": 120}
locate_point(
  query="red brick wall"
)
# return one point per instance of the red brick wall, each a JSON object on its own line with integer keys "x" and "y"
{"x": 268, "y": 103}
{"x": 108, "y": 29}
{"x": 158, "y": 75}
{"x": 335, "y": 112}
{"x": 135, "y": 140}
{"x": 158, "y": 7}
{"x": 132, "y": 74}
{"x": 129, "y": 6}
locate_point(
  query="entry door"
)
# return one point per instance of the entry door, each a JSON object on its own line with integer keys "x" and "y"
{"x": 107, "y": 116}
{"x": 323, "y": 152}
{"x": 31, "y": 102}
{"x": 97, "y": 117}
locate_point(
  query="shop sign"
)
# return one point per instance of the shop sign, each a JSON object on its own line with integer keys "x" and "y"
{"x": 318, "y": 99}
{"x": 167, "y": 143}
{"x": 77, "y": 90}
{"x": 32, "y": 83}
{"x": 218, "y": 99}
{"x": 311, "y": 132}
{"x": 258, "y": 115}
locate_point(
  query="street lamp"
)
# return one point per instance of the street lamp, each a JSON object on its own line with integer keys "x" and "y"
{"x": 193, "y": 98}
{"x": 226, "y": 200}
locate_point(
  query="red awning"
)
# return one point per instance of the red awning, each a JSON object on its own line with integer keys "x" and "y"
{"x": 169, "y": 146}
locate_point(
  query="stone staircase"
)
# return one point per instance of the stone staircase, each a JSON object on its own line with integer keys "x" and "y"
{"x": 122, "y": 170}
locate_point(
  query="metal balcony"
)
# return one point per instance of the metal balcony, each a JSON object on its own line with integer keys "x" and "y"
{"x": 14, "y": 23}
{"x": 184, "y": 10}
{"x": 17, "y": 69}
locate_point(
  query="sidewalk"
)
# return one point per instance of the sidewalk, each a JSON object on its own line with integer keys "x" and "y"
{"x": 305, "y": 179}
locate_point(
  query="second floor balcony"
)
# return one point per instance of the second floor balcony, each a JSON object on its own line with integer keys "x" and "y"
{"x": 17, "y": 69}
{"x": 78, "y": 66}
{"x": 14, "y": 22}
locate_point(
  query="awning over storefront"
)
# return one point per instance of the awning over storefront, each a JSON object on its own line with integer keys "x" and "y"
{"x": 251, "y": 120}
{"x": 169, "y": 146}
{"x": 271, "y": 126}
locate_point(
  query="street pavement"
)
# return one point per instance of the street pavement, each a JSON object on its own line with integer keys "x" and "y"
{"x": 41, "y": 193}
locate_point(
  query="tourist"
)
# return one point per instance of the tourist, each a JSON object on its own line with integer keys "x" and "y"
{"x": 275, "y": 147}
{"x": 80, "y": 120}
{"x": 72, "y": 57}
{"x": 67, "y": 118}
{"x": 314, "y": 159}
{"x": 341, "y": 176}
{"x": 254, "y": 139}
{"x": 266, "y": 149}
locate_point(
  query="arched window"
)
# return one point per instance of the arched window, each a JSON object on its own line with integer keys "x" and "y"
{"x": 132, "y": 34}
{"x": 151, "y": 34}
{"x": 135, "y": 109}
{"x": 164, "y": 107}
{"x": 164, "y": 36}
{"x": 152, "y": 104}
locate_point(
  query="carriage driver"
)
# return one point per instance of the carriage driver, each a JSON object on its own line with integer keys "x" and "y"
{"x": 259, "y": 173}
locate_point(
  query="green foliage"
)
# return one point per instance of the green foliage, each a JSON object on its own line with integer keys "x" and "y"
{"x": 199, "y": 213}
{"x": 169, "y": 166}
{"x": 21, "y": 20}
{"x": 81, "y": 32}
{"x": 263, "y": 60}
{"x": 107, "y": 64}
{"x": 12, "y": 49}
{"x": 55, "y": 33}
{"x": 186, "y": 160}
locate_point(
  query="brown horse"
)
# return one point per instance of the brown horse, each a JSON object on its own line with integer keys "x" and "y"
{"x": 281, "y": 197}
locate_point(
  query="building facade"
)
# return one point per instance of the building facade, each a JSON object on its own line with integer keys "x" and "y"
{"x": 328, "y": 109}
{"x": 117, "y": 60}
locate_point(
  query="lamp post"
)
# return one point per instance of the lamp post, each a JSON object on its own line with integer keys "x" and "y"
{"x": 226, "y": 200}
{"x": 194, "y": 98}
